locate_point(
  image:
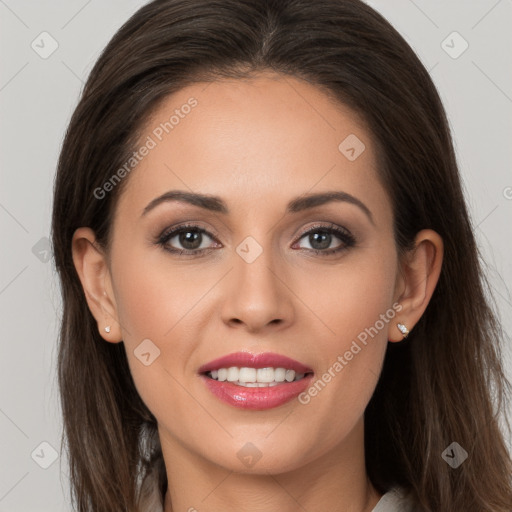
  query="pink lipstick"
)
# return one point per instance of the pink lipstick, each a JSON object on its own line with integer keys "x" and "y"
{"x": 256, "y": 381}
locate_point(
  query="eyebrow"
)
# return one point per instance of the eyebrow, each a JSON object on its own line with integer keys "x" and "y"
{"x": 216, "y": 204}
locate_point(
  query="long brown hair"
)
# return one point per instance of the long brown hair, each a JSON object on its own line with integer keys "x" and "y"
{"x": 444, "y": 384}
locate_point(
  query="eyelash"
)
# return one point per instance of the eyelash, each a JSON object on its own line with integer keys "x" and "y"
{"x": 344, "y": 235}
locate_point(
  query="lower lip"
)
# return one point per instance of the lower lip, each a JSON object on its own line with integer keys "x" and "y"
{"x": 257, "y": 398}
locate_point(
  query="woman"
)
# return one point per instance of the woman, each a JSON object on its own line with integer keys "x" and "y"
{"x": 272, "y": 293}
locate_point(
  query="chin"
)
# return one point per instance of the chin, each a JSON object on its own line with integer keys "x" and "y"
{"x": 261, "y": 456}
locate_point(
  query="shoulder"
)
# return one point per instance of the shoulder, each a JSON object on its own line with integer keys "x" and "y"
{"x": 395, "y": 500}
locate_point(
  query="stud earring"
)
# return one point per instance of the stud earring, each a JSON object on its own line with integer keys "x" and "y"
{"x": 403, "y": 330}
{"x": 107, "y": 329}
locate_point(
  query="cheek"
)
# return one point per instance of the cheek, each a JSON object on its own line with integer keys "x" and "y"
{"x": 154, "y": 297}
{"x": 155, "y": 302}
{"x": 351, "y": 297}
{"x": 355, "y": 305}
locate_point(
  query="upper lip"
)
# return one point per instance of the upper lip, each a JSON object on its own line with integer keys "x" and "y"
{"x": 263, "y": 360}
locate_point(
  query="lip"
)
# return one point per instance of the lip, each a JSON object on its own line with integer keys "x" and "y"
{"x": 263, "y": 360}
{"x": 256, "y": 398}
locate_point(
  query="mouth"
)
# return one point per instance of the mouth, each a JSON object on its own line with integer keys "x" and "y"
{"x": 256, "y": 381}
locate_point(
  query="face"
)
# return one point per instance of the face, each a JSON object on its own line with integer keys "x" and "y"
{"x": 260, "y": 272}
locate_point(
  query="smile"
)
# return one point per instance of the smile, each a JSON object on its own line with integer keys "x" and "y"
{"x": 255, "y": 377}
{"x": 255, "y": 381}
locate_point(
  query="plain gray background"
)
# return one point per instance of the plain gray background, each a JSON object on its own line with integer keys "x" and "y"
{"x": 37, "y": 97}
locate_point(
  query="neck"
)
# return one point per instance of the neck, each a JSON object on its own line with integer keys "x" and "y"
{"x": 335, "y": 480}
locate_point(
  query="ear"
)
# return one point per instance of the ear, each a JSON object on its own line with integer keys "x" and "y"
{"x": 418, "y": 276}
{"x": 92, "y": 267}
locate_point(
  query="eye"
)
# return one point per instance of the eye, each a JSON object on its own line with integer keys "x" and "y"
{"x": 190, "y": 237}
{"x": 321, "y": 237}
{"x": 192, "y": 240}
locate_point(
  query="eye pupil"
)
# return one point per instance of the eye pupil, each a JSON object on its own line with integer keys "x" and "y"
{"x": 188, "y": 239}
{"x": 324, "y": 237}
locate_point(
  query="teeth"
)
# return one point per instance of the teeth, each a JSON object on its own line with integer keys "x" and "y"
{"x": 252, "y": 377}
{"x": 233, "y": 374}
{"x": 265, "y": 375}
{"x": 247, "y": 375}
{"x": 279, "y": 374}
{"x": 257, "y": 384}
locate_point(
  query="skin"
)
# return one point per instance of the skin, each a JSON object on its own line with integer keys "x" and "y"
{"x": 257, "y": 144}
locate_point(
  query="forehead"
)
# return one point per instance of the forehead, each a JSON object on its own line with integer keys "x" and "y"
{"x": 266, "y": 138}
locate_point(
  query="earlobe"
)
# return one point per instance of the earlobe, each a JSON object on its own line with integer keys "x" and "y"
{"x": 420, "y": 273}
{"x": 92, "y": 268}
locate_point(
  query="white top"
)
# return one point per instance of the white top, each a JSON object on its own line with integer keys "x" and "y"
{"x": 393, "y": 501}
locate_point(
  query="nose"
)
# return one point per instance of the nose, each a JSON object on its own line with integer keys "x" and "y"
{"x": 256, "y": 296}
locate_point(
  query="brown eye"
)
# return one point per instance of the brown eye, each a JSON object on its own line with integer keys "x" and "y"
{"x": 189, "y": 239}
{"x": 320, "y": 239}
